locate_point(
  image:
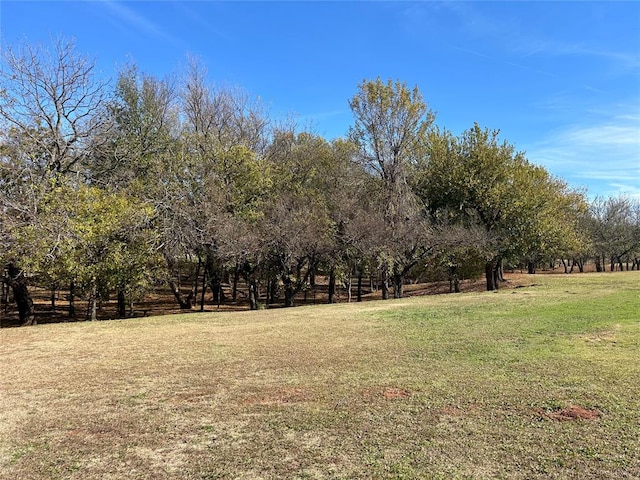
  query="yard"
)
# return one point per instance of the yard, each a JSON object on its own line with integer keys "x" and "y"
{"x": 541, "y": 381}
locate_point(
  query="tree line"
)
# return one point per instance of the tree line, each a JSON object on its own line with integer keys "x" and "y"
{"x": 110, "y": 187}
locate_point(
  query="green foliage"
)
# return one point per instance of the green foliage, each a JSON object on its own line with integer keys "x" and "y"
{"x": 114, "y": 241}
{"x": 391, "y": 122}
{"x": 139, "y": 138}
{"x": 96, "y": 180}
{"x": 243, "y": 180}
{"x": 100, "y": 240}
{"x": 476, "y": 179}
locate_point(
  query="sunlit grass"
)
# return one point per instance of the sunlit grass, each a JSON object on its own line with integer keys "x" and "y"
{"x": 455, "y": 386}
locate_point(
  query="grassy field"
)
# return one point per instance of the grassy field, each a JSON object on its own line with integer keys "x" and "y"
{"x": 534, "y": 382}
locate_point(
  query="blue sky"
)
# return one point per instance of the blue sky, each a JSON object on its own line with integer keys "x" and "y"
{"x": 561, "y": 80}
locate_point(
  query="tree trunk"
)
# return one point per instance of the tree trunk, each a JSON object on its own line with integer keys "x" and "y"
{"x": 122, "y": 304}
{"x": 204, "y": 290}
{"x": 196, "y": 277}
{"x": 53, "y": 298}
{"x": 174, "y": 272}
{"x": 234, "y": 290}
{"x": 185, "y": 303}
{"x": 488, "y": 272}
{"x": 312, "y": 274}
{"x": 454, "y": 283}
{"x": 215, "y": 283}
{"x": 531, "y": 267}
{"x": 4, "y": 299}
{"x": 93, "y": 302}
{"x": 273, "y": 291}
{"x": 359, "y": 290}
{"x": 289, "y": 293}
{"x": 18, "y": 284}
{"x": 493, "y": 273}
{"x": 268, "y": 299}
{"x": 398, "y": 285}
{"x": 385, "y": 284}
{"x": 253, "y": 294}
{"x": 332, "y": 286}
{"x": 72, "y": 299}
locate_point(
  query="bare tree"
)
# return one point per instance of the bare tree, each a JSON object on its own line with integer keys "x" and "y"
{"x": 614, "y": 226}
{"x": 53, "y": 99}
{"x": 222, "y": 117}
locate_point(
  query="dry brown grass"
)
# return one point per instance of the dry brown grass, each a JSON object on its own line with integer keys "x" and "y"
{"x": 431, "y": 387}
{"x": 152, "y": 398}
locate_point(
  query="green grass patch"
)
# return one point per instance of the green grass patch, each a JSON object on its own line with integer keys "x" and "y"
{"x": 535, "y": 382}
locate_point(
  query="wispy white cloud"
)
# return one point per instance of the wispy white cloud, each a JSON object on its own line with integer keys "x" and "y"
{"x": 502, "y": 60}
{"x": 604, "y": 155}
{"x": 512, "y": 34}
{"x": 327, "y": 114}
{"x": 130, "y": 19}
{"x": 529, "y": 46}
{"x": 195, "y": 16}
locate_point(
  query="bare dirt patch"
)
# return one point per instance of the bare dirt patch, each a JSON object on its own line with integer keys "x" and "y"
{"x": 604, "y": 337}
{"x": 388, "y": 393}
{"x": 571, "y": 413}
{"x": 396, "y": 393}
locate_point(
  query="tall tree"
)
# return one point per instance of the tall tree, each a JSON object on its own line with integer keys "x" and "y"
{"x": 222, "y": 116}
{"x": 51, "y": 103}
{"x": 299, "y": 225}
{"x": 391, "y": 127}
{"x": 145, "y": 154}
{"x": 224, "y": 136}
{"x": 391, "y": 123}
{"x": 140, "y": 133}
{"x": 544, "y": 217}
{"x": 477, "y": 180}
